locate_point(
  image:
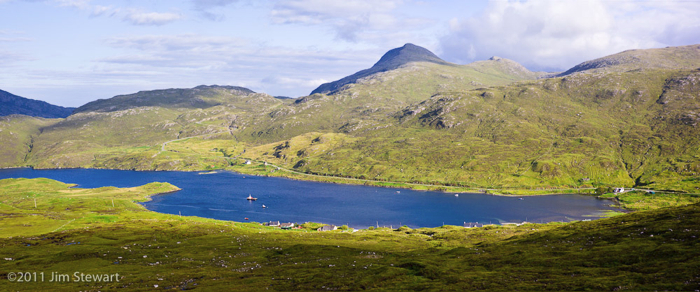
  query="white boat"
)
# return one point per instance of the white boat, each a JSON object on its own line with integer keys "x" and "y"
{"x": 250, "y": 198}
{"x": 456, "y": 195}
{"x": 264, "y": 206}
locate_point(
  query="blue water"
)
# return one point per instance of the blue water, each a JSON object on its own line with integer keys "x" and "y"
{"x": 223, "y": 196}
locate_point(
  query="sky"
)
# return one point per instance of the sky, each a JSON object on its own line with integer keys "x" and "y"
{"x": 70, "y": 52}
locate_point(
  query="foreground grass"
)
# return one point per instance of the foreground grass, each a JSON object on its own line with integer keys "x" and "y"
{"x": 651, "y": 250}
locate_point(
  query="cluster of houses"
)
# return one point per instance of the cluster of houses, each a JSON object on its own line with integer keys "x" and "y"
{"x": 287, "y": 225}
{"x": 473, "y": 225}
{"x": 479, "y": 225}
{"x": 290, "y": 225}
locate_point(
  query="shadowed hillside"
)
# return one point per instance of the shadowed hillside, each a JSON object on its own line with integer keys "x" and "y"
{"x": 11, "y": 104}
{"x": 199, "y": 97}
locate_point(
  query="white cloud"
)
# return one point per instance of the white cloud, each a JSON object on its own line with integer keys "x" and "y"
{"x": 348, "y": 19}
{"x": 205, "y": 7}
{"x": 11, "y": 40}
{"x": 208, "y": 4}
{"x": 130, "y": 15}
{"x": 82, "y": 4}
{"x": 193, "y": 59}
{"x": 99, "y": 10}
{"x": 555, "y": 35}
{"x": 8, "y": 58}
{"x": 291, "y": 82}
{"x": 138, "y": 17}
{"x": 182, "y": 43}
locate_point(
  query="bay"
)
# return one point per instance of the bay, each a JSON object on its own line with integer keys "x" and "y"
{"x": 222, "y": 195}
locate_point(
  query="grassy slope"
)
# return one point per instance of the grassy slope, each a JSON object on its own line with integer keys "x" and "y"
{"x": 17, "y": 134}
{"x": 577, "y": 131}
{"x": 422, "y": 123}
{"x": 651, "y": 250}
{"x": 132, "y": 138}
{"x": 683, "y": 57}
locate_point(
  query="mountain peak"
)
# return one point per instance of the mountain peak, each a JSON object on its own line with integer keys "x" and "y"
{"x": 391, "y": 60}
{"x": 406, "y": 54}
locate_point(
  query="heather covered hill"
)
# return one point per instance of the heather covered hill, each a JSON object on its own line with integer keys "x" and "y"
{"x": 11, "y": 104}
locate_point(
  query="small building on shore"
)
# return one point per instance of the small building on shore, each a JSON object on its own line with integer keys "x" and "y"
{"x": 273, "y": 223}
{"x": 327, "y": 228}
{"x": 287, "y": 225}
{"x": 473, "y": 225}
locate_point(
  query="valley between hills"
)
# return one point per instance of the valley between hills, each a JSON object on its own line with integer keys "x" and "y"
{"x": 412, "y": 120}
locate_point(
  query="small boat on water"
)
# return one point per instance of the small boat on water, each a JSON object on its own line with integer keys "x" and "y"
{"x": 264, "y": 206}
{"x": 250, "y": 198}
{"x": 246, "y": 218}
{"x": 456, "y": 195}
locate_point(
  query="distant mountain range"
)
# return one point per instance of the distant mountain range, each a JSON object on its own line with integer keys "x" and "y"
{"x": 202, "y": 96}
{"x": 11, "y": 104}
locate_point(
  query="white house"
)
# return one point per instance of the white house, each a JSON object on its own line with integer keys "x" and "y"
{"x": 328, "y": 228}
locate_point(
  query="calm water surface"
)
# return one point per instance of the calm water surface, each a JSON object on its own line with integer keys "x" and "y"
{"x": 223, "y": 196}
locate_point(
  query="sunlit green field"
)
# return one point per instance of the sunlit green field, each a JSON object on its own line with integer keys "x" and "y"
{"x": 103, "y": 231}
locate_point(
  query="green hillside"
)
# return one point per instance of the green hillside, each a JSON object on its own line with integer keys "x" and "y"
{"x": 487, "y": 125}
{"x": 17, "y": 134}
{"x": 684, "y": 57}
{"x": 613, "y": 129}
{"x": 99, "y": 133}
{"x": 102, "y": 231}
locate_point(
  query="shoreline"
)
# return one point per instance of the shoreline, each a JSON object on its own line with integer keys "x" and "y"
{"x": 176, "y": 188}
{"x": 301, "y": 176}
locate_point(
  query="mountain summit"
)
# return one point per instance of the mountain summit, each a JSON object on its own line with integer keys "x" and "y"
{"x": 393, "y": 59}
